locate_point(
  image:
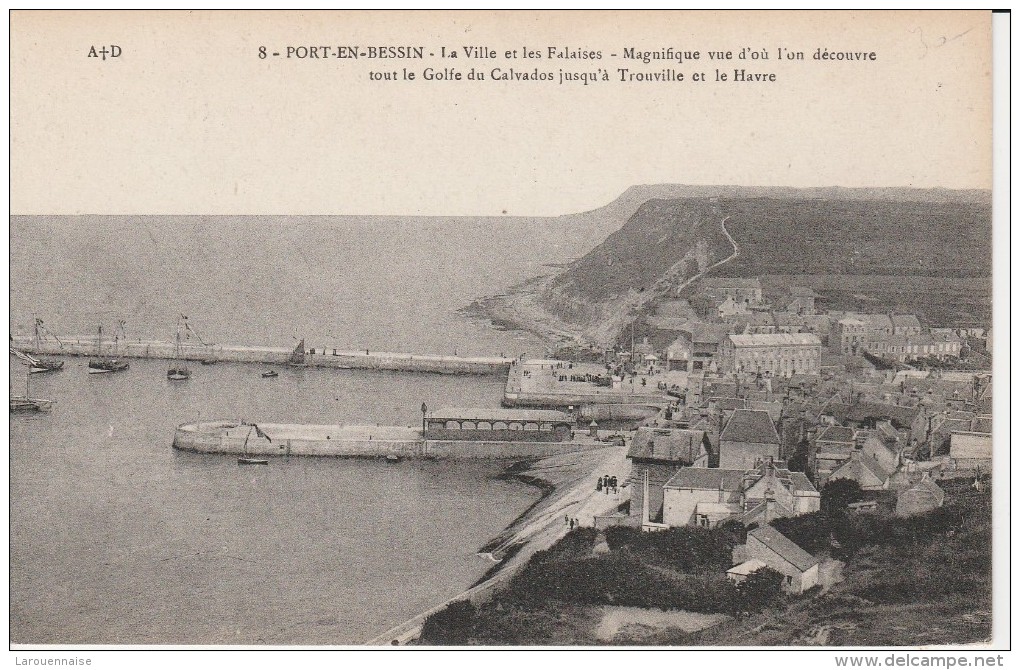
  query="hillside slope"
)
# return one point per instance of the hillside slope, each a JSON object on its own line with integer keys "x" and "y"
{"x": 819, "y": 238}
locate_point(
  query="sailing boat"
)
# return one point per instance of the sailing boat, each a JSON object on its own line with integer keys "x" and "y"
{"x": 178, "y": 370}
{"x": 246, "y": 458}
{"x": 189, "y": 331}
{"x": 100, "y": 364}
{"x": 297, "y": 357}
{"x": 40, "y": 364}
{"x": 26, "y": 403}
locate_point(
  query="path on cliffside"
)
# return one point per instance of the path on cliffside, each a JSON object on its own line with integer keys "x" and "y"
{"x": 699, "y": 275}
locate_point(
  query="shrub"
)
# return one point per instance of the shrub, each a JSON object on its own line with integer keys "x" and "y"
{"x": 810, "y": 531}
{"x": 839, "y": 493}
{"x": 452, "y": 625}
{"x": 761, "y": 589}
{"x": 686, "y": 549}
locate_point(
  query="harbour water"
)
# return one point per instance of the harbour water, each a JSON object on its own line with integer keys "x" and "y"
{"x": 117, "y": 538}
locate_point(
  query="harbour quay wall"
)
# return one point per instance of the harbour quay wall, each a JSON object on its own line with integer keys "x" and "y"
{"x": 322, "y": 357}
{"x": 560, "y": 400}
{"x": 400, "y": 362}
{"x": 236, "y": 438}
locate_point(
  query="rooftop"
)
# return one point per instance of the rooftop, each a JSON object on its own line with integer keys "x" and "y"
{"x": 776, "y": 340}
{"x": 877, "y": 321}
{"x": 905, "y": 321}
{"x": 750, "y": 425}
{"x": 487, "y": 414}
{"x": 862, "y": 411}
{"x": 728, "y": 403}
{"x": 667, "y": 444}
{"x": 783, "y": 546}
{"x": 927, "y": 485}
{"x": 706, "y": 479}
{"x": 747, "y": 567}
{"x": 857, "y": 466}
{"x": 837, "y": 434}
{"x": 706, "y": 333}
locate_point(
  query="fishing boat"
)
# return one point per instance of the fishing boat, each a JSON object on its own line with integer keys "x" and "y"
{"x": 178, "y": 371}
{"x": 270, "y": 374}
{"x": 297, "y": 357}
{"x": 247, "y": 459}
{"x": 22, "y": 403}
{"x": 100, "y": 364}
{"x": 39, "y": 364}
{"x": 26, "y": 403}
{"x": 210, "y": 359}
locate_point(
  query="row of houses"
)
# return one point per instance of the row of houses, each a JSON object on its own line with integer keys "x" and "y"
{"x": 706, "y": 472}
{"x": 896, "y": 336}
{"x": 710, "y": 348}
{"x": 725, "y": 306}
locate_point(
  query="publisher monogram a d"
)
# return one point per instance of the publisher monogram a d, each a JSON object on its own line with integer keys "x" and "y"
{"x": 104, "y": 51}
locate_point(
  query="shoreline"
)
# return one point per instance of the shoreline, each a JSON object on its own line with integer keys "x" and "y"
{"x": 517, "y": 310}
{"x": 567, "y": 482}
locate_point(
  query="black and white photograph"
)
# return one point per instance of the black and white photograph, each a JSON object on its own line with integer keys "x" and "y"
{"x": 506, "y": 330}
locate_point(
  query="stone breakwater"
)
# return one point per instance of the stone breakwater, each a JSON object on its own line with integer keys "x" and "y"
{"x": 274, "y": 439}
{"x": 323, "y": 357}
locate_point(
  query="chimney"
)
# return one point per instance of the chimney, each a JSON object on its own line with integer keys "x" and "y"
{"x": 644, "y": 502}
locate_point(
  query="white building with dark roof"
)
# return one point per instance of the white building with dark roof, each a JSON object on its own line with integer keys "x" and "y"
{"x": 766, "y": 545}
{"x": 709, "y": 496}
{"x": 864, "y": 470}
{"x": 746, "y": 290}
{"x": 777, "y": 354}
{"x": 655, "y": 455}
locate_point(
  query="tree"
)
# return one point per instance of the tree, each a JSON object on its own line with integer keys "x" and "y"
{"x": 839, "y": 493}
{"x": 762, "y": 588}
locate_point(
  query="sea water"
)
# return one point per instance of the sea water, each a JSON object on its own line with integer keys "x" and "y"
{"x": 116, "y": 538}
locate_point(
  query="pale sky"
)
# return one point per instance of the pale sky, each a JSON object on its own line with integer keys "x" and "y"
{"x": 189, "y": 120}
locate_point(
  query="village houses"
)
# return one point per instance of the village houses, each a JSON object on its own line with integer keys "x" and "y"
{"x": 710, "y": 496}
{"x": 767, "y": 547}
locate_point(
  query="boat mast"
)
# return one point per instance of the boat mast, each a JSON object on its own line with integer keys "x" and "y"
{"x": 177, "y": 344}
{"x": 244, "y": 447}
{"x": 117, "y": 335}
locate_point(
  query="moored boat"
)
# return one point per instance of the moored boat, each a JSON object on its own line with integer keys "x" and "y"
{"x": 40, "y": 364}
{"x": 178, "y": 371}
{"x": 248, "y": 459}
{"x": 25, "y": 402}
{"x": 297, "y": 357}
{"x": 21, "y": 403}
{"x": 46, "y": 365}
{"x": 100, "y": 364}
{"x": 270, "y": 374}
